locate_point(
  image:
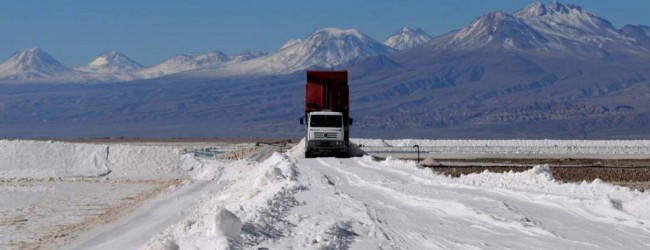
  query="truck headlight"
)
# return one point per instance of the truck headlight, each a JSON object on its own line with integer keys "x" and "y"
{"x": 339, "y": 143}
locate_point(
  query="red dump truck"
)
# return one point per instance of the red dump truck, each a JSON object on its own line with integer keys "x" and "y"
{"x": 327, "y": 114}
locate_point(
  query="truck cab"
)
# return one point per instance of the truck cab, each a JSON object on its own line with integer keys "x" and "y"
{"x": 325, "y": 134}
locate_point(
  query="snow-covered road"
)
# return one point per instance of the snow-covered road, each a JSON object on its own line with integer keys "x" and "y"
{"x": 287, "y": 202}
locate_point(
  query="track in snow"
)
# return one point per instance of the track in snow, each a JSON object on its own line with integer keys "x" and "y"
{"x": 400, "y": 207}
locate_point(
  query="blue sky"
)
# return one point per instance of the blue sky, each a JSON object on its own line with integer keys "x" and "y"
{"x": 76, "y": 31}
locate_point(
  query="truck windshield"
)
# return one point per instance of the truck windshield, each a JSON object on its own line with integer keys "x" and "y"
{"x": 328, "y": 121}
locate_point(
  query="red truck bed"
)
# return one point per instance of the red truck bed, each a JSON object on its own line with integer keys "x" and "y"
{"x": 328, "y": 90}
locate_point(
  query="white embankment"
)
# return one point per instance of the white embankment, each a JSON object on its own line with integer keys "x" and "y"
{"x": 44, "y": 159}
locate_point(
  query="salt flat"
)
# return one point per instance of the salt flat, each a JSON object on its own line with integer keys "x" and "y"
{"x": 286, "y": 201}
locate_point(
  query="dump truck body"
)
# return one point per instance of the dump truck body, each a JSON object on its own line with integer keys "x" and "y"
{"x": 327, "y": 113}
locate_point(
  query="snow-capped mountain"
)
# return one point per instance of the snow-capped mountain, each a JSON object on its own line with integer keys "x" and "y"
{"x": 109, "y": 63}
{"x": 568, "y": 21}
{"x": 498, "y": 29}
{"x": 330, "y": 47}
{"x": 407, "y": 38}
{"x": 325, "y": 48}
{"x": 542, "y": 27}
{"x": 245, "y": 56}
{"x": 186, "y": 62}
{"x": 31, "y": 63}
{"x": 570, "y": 24}
{"x": 548, "y": 63}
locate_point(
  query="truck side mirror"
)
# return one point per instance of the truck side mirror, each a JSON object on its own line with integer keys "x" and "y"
{"x": 351, "y": 121}
{"x": 302, "y": 120}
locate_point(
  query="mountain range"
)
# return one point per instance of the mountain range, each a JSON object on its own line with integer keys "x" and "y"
{"x": 326, "y": 48}
{"x": 547, "y": 71}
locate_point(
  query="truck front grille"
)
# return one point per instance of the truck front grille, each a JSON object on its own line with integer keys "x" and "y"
{"x": 322, "y": 135}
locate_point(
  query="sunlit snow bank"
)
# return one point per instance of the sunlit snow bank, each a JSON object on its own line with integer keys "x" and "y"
{"x": 253, "y": 197}
{"x": 599, "y": 199}
{"x": 298, "y": 151}
{"x": 43, "y": 159}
